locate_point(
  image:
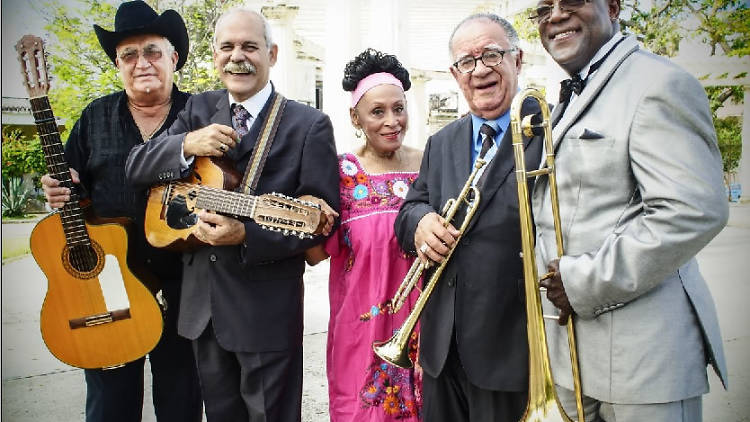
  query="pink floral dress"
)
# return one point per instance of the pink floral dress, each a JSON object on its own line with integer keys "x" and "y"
{"x": 367, "y": 266}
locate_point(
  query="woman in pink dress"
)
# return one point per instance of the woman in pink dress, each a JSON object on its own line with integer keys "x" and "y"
{"x": 367, "y": 265}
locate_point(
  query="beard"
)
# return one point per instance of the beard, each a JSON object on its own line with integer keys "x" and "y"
{"x": 239, "y": 67}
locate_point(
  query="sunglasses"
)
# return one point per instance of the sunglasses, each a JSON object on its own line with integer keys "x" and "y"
{"x": 543, "y": 12}
{"x": 150, "y": 52}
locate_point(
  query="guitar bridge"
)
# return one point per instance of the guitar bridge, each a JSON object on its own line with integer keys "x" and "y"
{"x": 99, "y": 319}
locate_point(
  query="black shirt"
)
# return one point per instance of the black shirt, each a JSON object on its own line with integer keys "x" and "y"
{"x": 97, "y": 148}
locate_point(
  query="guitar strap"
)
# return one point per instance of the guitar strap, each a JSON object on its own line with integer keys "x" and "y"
{"x": 263, "y": 144}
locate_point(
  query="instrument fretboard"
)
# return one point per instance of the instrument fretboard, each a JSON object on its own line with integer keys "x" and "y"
{"x": 54, "y": 155}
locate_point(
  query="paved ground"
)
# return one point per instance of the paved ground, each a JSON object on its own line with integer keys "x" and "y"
{"x": 37, "y": 387}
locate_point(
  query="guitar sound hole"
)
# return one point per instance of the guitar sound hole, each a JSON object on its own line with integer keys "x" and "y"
{"x": 83, "y": 258}
{"x": 179, "y": 216}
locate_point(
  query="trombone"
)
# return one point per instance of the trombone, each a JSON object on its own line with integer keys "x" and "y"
{"x": 396, "y": 350}
{"x": 544, "y": 404}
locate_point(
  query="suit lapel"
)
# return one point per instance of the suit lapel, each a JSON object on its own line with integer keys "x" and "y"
{"x": 461, "y": 153}
{"x": 593, "y": 87}
{"x": 222, "y": 115}
{"x": 503, "y": 163}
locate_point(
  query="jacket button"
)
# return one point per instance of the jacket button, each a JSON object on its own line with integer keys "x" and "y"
{"x": 451, "y": 283}
{"x": 212, "y": 258}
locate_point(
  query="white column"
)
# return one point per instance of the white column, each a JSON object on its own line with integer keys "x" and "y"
{"x": 387, "y": 28}
{"x": 342, "y": 42}
{"x": 744, "y": 168}
{"x": 418, "y": 108}
{"x": 281, "y": 18}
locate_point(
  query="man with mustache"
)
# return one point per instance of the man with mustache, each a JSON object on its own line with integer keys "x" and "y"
{"x": 473, "y": 345}
{"x": 640, "y": 189}
{"x": 146, "y": 48}
{"x": 242, "y": 293}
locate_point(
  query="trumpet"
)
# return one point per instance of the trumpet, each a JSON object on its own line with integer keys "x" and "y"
{"x": 396, "y": 350}
{"x": 544, "y": 404}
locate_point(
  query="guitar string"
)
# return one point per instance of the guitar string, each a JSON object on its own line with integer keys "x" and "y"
{"x": 229, "y": 202}
{"x": 81, "y": 258}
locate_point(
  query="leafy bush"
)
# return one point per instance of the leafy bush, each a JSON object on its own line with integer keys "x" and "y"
{"x": 21, "y": 155}
{"x": 16, "y": 194}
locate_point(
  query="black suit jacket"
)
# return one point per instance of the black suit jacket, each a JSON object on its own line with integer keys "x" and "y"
{"x": 481, "y": 290}
{"x": 252, "y": 293}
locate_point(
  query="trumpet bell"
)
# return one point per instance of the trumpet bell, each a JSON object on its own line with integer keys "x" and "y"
{"x": 392, "y": 352}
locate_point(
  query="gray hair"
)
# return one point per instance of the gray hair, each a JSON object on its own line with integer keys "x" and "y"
{"x": 243, "y": 9}
{"x": 510, "y": 31}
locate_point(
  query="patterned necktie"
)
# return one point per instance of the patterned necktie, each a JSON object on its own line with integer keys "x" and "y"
{"x": 489, "y": 135}
{"x": 240, "y": 116}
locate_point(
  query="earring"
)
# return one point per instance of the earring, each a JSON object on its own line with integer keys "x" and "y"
{"x": 358, "y": 132}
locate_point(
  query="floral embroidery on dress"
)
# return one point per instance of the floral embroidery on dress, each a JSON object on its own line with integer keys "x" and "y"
{"x": 400, "y": 189}
{"x": 363, "y": 193}
{"x": 348, "y": 168}
{"x": 376, "y": 310}
{"x": 391, "y": 387}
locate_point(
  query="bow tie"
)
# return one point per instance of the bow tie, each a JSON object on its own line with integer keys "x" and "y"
{"x": 576, "y": 84}
{"x": 569, "y": 86}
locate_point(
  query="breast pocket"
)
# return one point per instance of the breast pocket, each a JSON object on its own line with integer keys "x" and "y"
{"x": 590, "y": 156}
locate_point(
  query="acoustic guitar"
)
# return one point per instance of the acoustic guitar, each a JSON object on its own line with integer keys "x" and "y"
{"x": 171, "y": 208}
{"x": 85, "y": 263}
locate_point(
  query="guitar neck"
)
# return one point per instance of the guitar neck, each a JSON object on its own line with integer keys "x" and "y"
{"x": 226, "y": 202}
{"x": 54, "y": 155}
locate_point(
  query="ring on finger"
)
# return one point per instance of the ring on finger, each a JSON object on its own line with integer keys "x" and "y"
{"x": 423, "y": 248}
{"x": 223, "y": 147}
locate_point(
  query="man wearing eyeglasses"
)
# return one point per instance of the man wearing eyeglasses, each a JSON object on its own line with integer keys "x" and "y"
{"x": 146, "y": 48}
{"x": 640, "y": 188}
{"x": 473, "y": 346}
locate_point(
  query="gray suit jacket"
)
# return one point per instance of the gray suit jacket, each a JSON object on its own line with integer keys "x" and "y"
{"x": 252, "y": 293}
{"x": 641, "y": 192}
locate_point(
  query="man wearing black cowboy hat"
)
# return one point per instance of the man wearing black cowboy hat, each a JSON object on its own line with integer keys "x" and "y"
{"x": 146, "y": 48}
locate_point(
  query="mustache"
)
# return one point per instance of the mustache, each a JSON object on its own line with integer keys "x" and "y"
{"x": 239, "y": 67}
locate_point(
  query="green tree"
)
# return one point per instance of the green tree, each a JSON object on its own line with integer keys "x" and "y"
{"x": 729, "y": 135}
{"x": 80, "y": 69}
{"x": 724, "y": 25}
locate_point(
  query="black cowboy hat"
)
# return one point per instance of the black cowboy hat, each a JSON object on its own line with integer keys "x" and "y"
{"x": 136, "y": 18}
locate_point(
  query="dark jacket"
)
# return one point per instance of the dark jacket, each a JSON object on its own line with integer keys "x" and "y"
{"x": 480, "y": 294}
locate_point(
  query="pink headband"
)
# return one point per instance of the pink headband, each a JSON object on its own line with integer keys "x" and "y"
{"x": 372, "y": 81}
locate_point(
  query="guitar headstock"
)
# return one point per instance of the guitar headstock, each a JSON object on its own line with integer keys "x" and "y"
{"x": 289, "y": 215}
{"x": 30, "y": 50}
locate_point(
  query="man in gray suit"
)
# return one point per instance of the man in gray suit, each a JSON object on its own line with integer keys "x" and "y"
{"x": 242, "y": 293}
{"x": 640, "y": 188}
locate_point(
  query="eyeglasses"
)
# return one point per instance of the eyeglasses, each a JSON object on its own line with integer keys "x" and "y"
{"x": 490, "y": 58}
{"x": 543, "y": 12}
{"x": 150, "y": 52}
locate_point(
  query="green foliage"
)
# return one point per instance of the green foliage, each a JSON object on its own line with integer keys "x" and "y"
{"x": 16, "y": 194}
{"x": 719, "y": 95}
{"x": 80, "y": 69}
{"x": 729, "y": 135}
{"x": 21, "y": 155}
{"x": 662, "y": 24}
{"x": 527, "y": 29}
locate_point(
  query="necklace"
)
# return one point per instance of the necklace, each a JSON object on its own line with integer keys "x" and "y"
{"x": 145, "y": 134}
